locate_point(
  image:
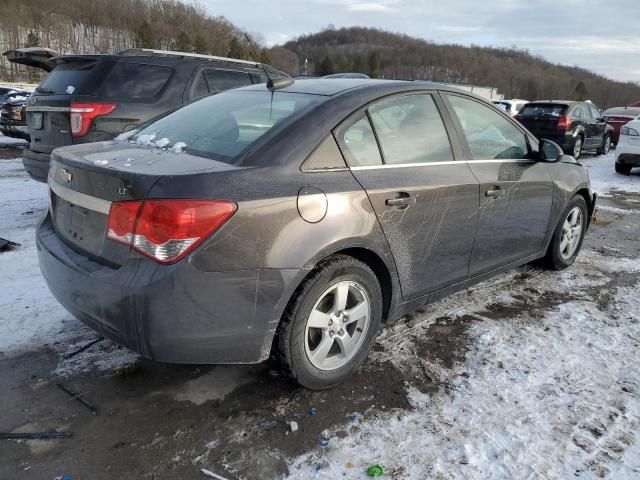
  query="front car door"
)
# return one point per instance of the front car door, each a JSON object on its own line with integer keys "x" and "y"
{"x": 599, "y": 125}
{"x": 515, "y": 190}
{"x": 400, "y": 151}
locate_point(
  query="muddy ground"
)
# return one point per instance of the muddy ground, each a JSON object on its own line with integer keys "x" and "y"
{"x": 158, "y": 421}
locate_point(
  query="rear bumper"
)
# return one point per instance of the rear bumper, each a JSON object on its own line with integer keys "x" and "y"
{"x": 564, "y": 141}
{"x": 175, "y": 313}
{"x": 36, "y": 164}
{"x": 13, "y": 129}
{"x": 630, "y": 159}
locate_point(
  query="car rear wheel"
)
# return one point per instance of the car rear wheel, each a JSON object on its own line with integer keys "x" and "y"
{"x": 569, "y": 235}
{"x": 624, "y": 169}
{"x": 330, "y": 324}
{"x": 577, "y": 147}
{"x": 606, "y": 146}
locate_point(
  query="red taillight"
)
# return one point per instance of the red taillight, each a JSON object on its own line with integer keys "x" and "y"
{"x": 83, "y": 115}
{"x": 564, "y": 123}
{"x": 166, "y": 230}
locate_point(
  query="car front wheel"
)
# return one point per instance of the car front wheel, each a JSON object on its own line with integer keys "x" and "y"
{"x": 330, "y": 324}
{"x": 569, "y": 235}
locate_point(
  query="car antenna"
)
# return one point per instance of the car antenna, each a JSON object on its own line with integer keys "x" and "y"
{"x": 272, "y": 84}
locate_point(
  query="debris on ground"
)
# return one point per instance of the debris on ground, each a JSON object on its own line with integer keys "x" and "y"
{"x": 7, "y": 244}
{"x": 269, "y": 424}
{"x": 312, "y": 411}
{"x": 34, "y": 435}
{"x": 83, "y": 348}
{"x": 375, "y": 471}
{"x": 79, "y": 397}
{"x": 294, "y": 426}
{"x": 211, "y": 474}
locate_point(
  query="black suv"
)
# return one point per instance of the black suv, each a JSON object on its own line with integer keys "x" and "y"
{"x": 575, "y": 126}
{"x": 90, "y": 98}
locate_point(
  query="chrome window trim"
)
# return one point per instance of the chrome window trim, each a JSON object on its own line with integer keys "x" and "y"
{"x": 37, "y": 108}
{"x": 80, "y": 199}
{"x": 451, "y": 162}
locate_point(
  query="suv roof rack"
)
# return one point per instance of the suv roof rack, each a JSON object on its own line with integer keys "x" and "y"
{"x": 171, "y": 53}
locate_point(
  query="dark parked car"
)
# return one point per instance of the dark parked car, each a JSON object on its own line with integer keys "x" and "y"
{"x": 13, "y": 115}
{"x": 300, "y": 219}
{"x": 89, "y": 98}
{"x": 575, "y": 126}
{"x": 6, "y": 92}
{"x": 617, "y": 117}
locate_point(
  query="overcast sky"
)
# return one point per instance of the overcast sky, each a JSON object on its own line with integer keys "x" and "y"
{"x": 600, "y": 35}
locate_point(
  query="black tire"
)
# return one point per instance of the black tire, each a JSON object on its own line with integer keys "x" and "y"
{"x": 624, "y": 169}
{"x": 554, "y": 258}
{"x": 606, "y": 145}
{"x": 292, "y": 334}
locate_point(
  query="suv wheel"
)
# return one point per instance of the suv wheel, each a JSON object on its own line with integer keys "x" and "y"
{"x": 330, "y": 324}
{"x": 577, "y": 147}
{"x": 624, "y": 169}
{"x": 606, "y": 146}
{"x": 567, "y": 239}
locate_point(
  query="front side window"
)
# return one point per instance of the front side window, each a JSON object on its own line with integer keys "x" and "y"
{"x": 595, "y": 114}
{"x": 411, "y": 130}
{"x": 490, "y": 135}
{"x": 359, "y": 142}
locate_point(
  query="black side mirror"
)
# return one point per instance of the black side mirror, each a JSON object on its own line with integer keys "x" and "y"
{"x": 549, "y": 151}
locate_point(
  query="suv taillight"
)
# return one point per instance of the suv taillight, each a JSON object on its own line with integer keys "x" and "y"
{"x": 166, "y": 230}
{"x": 83, "y": 115}
{"x": 564, "y": 123}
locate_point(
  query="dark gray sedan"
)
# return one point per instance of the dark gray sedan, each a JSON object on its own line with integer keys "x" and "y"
{"x": 297, "y": 220}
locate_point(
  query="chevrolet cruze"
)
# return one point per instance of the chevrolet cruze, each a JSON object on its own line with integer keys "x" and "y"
{"x": 296, "y": 220}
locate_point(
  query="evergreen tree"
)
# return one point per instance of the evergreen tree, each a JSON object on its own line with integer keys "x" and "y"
{"x": 200, "y": 45}
{"x": 32, "y": 40}
{"x": 183, "y": 43}
{"x": 144, "y": 36}
{"x": 374, "y": 64}
{"x": 325, "y": 67}
{"x": 581, "y": 92}
{"x": 236, "y": 50}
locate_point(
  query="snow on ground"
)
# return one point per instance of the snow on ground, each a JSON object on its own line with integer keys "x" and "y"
{"x": 29, "y": 315}
{"x": 604, "y": 180}
{"x": 11, "y": 142}
{"x": 551, "y": 391}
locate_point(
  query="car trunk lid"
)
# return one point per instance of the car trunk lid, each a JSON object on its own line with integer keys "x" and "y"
{"x": 84, "y": 180}
{"x": 37, "y": 57}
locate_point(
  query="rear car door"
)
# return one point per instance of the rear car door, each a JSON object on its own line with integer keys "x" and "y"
{"x": 400, "y": 151}
{"x": 515, "y": 190}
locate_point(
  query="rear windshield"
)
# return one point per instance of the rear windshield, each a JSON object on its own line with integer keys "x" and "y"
{"x": 224, "y": 126}
{"x": 68, "y": 78}
{"x": 543, "y": 109}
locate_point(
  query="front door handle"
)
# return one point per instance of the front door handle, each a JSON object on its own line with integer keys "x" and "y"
{"x": 402, "y": 200}
{"x": 494, "y": 193}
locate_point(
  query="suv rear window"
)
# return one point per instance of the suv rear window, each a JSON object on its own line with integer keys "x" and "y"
{"x": 543, "y": 109}
{"x": 68, "y": 78}
{"x": 224, "y": 126}
{"x": 134, "y": 80}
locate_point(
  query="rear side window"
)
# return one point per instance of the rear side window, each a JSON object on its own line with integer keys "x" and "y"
{"x": 134, "y": 80}
{"x": 359, "y": 142}
{"x": 222, "y": 80}
{"x": 543, "y": 110}
{"x": 70, "y": 78}
{"x": 489, "y": 134}
{"x": 411, "y": 130}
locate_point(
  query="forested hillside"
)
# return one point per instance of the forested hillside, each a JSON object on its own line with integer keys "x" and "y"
{"x": 106, "y": 26}
{"x": 516, "y": 73}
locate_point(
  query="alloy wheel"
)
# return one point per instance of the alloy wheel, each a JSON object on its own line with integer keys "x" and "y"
{"x": 607, "y": 145}
{"x": 577, "y": 147}
{"x": 571, "y": 233}
{"x": 337, "y": 325}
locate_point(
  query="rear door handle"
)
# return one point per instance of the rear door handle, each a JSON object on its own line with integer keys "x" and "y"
{"x": 494, "y": 193}
{"x": 402, "y": 200}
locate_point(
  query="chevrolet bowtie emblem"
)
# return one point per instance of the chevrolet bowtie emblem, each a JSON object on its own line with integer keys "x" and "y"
{"x": 65, "y": 175}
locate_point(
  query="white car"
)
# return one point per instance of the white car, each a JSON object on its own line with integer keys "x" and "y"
{"x": 512, "y": 107}
{"x": 628, "y": 148}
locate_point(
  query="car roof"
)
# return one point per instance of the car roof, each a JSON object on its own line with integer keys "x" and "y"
{"x": 558, "y": 102}
{"x": 335, "y": 86}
